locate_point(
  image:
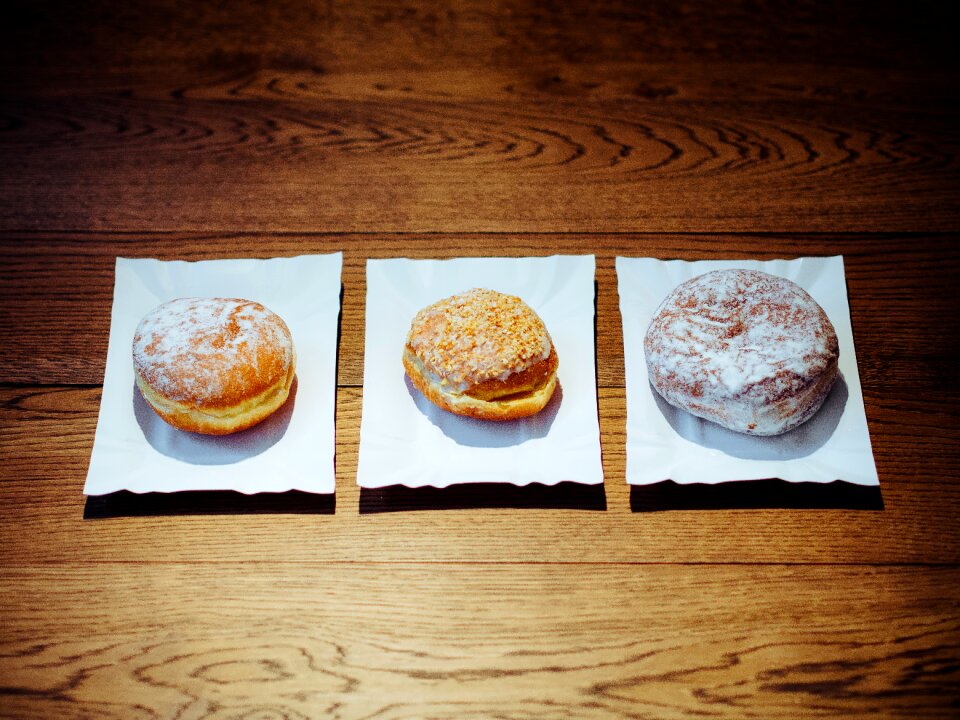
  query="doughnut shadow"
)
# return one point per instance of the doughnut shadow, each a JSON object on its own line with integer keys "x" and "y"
{"x": 487, "y": 433}
{"x": 800, "y": 442}
{"x": 197, "y": 449}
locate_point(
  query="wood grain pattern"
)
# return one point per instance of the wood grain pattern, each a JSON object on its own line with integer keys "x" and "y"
{"x": 395, "y": 164}
{"x": 49, "y": 435}
{"x": 413, "y": 641}
{"x": 59, "y": 43}
{"x": 371, "y": 118}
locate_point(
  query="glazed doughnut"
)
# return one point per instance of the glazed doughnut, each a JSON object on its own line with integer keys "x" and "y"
{"x": 750, "y": 351}
{"x": 213, "y": 365}
{"x": 482, "y": 354}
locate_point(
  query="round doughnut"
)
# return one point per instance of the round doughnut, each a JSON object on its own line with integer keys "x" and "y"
{"x": 482, "y": 354}
{"x": 748, "y": 350}
{"x": 213, "y": 365}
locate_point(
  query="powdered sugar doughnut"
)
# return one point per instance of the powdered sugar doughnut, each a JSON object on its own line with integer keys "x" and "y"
{"x": 748, "y": 350}
{"x": 482, "y": 354}
{"x": 213, "y": 365}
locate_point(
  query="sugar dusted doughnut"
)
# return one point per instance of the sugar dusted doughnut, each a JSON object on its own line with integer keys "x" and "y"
{"x": 482, "y": 354}
{"x": 748, "y": 350}
{"x": 213, "y": 365}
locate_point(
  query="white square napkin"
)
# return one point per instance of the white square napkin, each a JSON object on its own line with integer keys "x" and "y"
{"x": 664, "y": 443}
{"x": 406, "y": 440}
{"x": 291, "y": 450}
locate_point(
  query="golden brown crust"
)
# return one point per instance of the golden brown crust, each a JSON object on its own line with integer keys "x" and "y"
{"x": 525, "y": 381}
{"x": 213, "y": 365}
{"x": 508, "y": 407}
{"x": 482, "y": 354}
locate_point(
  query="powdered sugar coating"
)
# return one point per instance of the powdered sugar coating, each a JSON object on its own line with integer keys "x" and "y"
{"x": 212, "y": 352}
{"x": 476, "y": 336}
{"x": 749, "y": 350}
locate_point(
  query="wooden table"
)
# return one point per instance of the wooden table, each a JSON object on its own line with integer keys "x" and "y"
{"x": 187, "y": 130}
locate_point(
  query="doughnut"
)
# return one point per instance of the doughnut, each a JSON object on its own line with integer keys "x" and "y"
{"x": 482, "y": 354}
{"x": 748, "y": 350}
{"x": 213, "y": 365}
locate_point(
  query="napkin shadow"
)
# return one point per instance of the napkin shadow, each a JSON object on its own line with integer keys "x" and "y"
{"x": 755, "y": 494}
{"x": 562, "y": 496}
{"x": 485, "y": 433}
{"x": 206, "y": 502}
{"x": 198, "y": 449}
{"x": 797, "y": 443}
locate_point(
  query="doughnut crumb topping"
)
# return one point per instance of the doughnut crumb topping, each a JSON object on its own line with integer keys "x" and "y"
{"x": 477, "y": 336}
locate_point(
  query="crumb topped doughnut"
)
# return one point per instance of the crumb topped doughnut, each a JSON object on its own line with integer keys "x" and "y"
{"x": 482, "y": 354}
{"x": 213, "y": 365}
{"x": 748, "y": 350}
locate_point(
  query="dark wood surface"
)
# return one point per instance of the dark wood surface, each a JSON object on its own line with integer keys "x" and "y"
{"x": 699, "y": 131}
